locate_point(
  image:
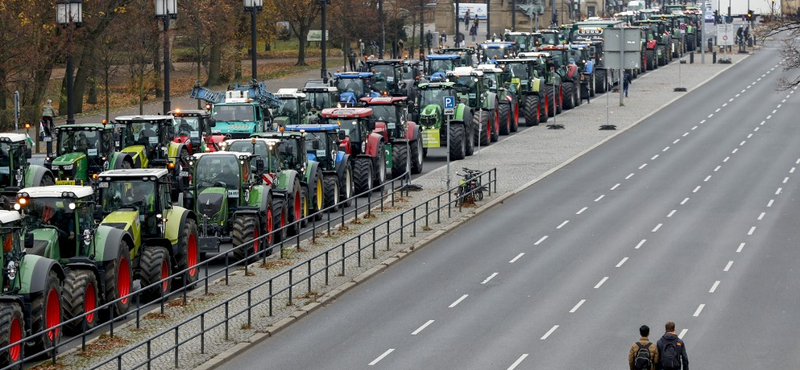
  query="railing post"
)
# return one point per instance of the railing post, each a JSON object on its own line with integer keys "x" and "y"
{"x": 426, "y": 215}
{"x": 374, "y": 254}
{"x": 270, "y": 297}
{"x": 369, "y": 202}
{"x": 392, "y": 193}
{"x": 388, "y": 234}
{"x": 343, "y": 207}
{"x": 314, "y": 229}
{"x": 439, "y": 209}
{"x": 206, "y": 280}
{"x": 414, "y": 222}
{"x": 138, "y": 309}
{"x": 227, "y": 263}
{"x": 329, "y": 223}
{"x": 402, "y": 224}
{"x": 327, "y": 264}
{"x": 343, "y": 259}
{"x": 290, "y": 286}
{"x": 358, "y": 250}
{"x": 83, "y": 329}
{"x": 249, "y": 307}
{"x": 203, "y": 332}
{"x": 309, "y": 275}
{"x": 226, "y": 320}
{"x": 111, "y": 320}
{"x": 355, "y": 209}
{"x": 177, "y": 347}
{"x": 148, "y": 354}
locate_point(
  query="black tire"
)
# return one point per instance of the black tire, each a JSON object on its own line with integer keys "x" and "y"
{"x": 188, "y": 253}
{"x": 330, "y": 189}
{"x": 494, "y": 116}
{"x": 118, "y": 279}
{"x": 244, "y": 229}
{"x": 417, "y": 156}
{"x": 469, "y": 134}
{"x": 400, "y": 160}
{"x": 663, "y": 59}
{"x": 154, "y": 266}
{"x": 650, "y": 55}
{"x": 481, "y": 121}
{"x": 294, "y": 208}
{"x": 80, "y": 296}
{"x": 319, "y": 195}
{"x": 12, "y": 329}
{"x": 504, "y": 110}
{"x": 306, "y": 205}
{"x": 47, "y": 180}
{"x": 592, "y": 84}
{"x": 558, "y": 94}
{"x": 457, "y": 141}
{"x": 46, "y": 312}
{"x": 514, "y": 118}
{"x": 568, "y": 91}
{"x": 346, "y": 186}
{"x": 279, "y": 218}
{"x": 363, "y": 177}
{"x": 424, "y": 152}
{"x": 600, "y": 81}
{"x": 531, "y": 110}
{"x": 551, "y": 101}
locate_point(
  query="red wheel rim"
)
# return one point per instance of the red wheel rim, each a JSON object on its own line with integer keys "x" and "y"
{"x": 123, "y": 280}
{"x": 298, "y": 212}
{"x": 165, "y": 275}
{"x": 53, "y": 315}
{"x": 283, "y": 218}
{"x": 546, "y": 104}
{"x": 516, "y": 114}
{"x": 255, "y": 238}
{"x": 270, "y": 227}
{"x": 497, "y": 121}
{"x": 192, "y": 257}
{"x": 89, "y": 303}
{"x": 14, "y": 336}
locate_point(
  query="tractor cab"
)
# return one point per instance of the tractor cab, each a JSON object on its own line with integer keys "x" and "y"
{"x": 527, "y": 41}
{"x": 551, "y": 37}
{"x": 83, "y": 151}
{"x": 320, "y": 94}
{"x": 470, "y": 85}
{"x": 437, "y": 66}
{"x": 465, "y": 55}
{"x": 192, "y": 128}
{"x": 135, "y": 199}
{"x": 293, "y": 108}
{"x": 15, "y": 171}
{"x": 353, "y": 86}
{"x": 499, "y": 77}
{"x": 322, "y": 143}
{"x": 491, "y": 51}
{"x": 355, "y": 125}
{"x": 522, "y": 71}
{"x": 388, "y": 75}
{"x": 391, "y": 115}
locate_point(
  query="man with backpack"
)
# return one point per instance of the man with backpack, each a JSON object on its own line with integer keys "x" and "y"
{"x": 672, "y": 350}
{"x": 643, "y": 354}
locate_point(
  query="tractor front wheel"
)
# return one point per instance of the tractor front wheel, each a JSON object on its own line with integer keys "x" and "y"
{"x": 362, "y": 175}
{"x": 80, "y": 296}
{"x": 295, "y": 210}
{"x": 531, "y": 110}
{"x": 400, "y": 163}
{"x": 330, "y": 186}
{"x": 244, "y": 229}
{"x": 346, "y": 186}
{"x": 568, "y": 89}
{"x": 189, "y": 253}
{"x": 118, "y": 281}
{"x": 12, "y": 329}
{"x": 417, "y": 155}
{"x": 457, "y": 141}
{"x": 483, "y": 134}
{"x": 504, "y": 111}
{"x": 319, "y": 195}
{"x": 155, "y": 267}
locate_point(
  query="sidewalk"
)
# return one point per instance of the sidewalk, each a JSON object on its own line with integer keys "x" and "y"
{"x": 550, "y": 150}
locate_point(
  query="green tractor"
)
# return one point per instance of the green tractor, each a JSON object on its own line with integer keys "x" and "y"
{"x": 15, "y": 171}
{"x": 475, "y": 90}
{"x": 234, "y": 203}
{"x": 293, "y": 108}
{"x": 508, "y": 107}
{"x": 431, "y": 118}
{"x": 659, "y": 42}
{"x": 83, "y": 151}
{"x": 527, "y": 41}
{"x": 568, "y": 75}
{"x": 320, "y": 94}
{"x": 388, "y": 76}
{"x": 148, "y": 141}
{"x": 31, "y": 300}
{"x": 96, "y": 259}
{"x": 164, "y": 236}
{"x": 528, "y": 84}
{"x": 552, "y": 79}
{"x": 392, "y": 121}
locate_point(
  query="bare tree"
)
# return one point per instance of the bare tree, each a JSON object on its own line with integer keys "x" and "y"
{"x": 786, "y": 28}
{"x": 300, "y": 14}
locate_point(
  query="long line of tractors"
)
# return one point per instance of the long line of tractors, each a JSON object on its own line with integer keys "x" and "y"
{"x": 147, "y": 197}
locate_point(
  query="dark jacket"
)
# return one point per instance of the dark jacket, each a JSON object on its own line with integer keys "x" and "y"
{"x": 670, "y": 337}
{"x": 635, "y": 349}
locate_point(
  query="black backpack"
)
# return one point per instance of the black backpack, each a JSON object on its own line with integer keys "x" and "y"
{"x": 670, "y": 356}
{"x": 642, "y": 359}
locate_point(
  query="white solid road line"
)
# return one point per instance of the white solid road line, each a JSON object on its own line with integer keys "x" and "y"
{"x": 516, "y": 258}
{"x": 463, "y": 297}
{"x": 549, "y": 332}
{"x": 699, "y": 309}
{"x": 752, "y": 230}
{"x": 540, "y": 240}
{"x": 562, "y": 224}
{"x": 421, "y": 328}
{"x": 601, "y": 283}
{"x": 657, "y": 227}
{"x": 739, "y": 250}
{"x": 622, "y": 262}
{"x": 672, "y": 213}
{"x": 728, "y": 266}
{"x": 684, "y": 201}
{"x": 516, "y": 363}
{"x": 683, "y": 332}
{"x": 714, "y": 287}
{"x": 577, "y": 306}
{"x": 600, "y": 197}
{"x": 640, "y": 244}
{"x": 375, "y": 361}
{"x": 489, "y": 278}
{"x": 583, "y": 209}
{"x": 761, "y": 216}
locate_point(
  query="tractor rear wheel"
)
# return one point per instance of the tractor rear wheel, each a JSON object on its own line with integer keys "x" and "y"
{"x": 346, "y": 187}
{"x": 330, "y": 188}
{"x": 294, "y": 203}
{"x": 306, "y": 205}
{"x": 483, "y": 135}
{"x": 380, "y": 165}
{"x": 558, "y": 92}
{"x": 504, "y": 111}
{"x": 600, "y": 80}
{"x": 469, "y": 134}
{"x": 362, "y": 175}
{"x": 46, "y": 313}
{"x": 118, "y": 281}
{"x": 244, "y": 229}
{"x": 551, "y": 100}
{"x": 400, "y": 164}
{"x": 495, "y": 127}
{"x": 457, "y": 141}
{"x": 319, "y": 195}
{"x": 279, "y": 219}
{"x": 568, "y": 89}
{"x": 531, "y": 110}
{"x": 154, "y": 266}
{"x": 188, "y": 253}
{"x": 12, "y": 329}
{"x": 80, "y": 296}
{"x": 416, "y": 156}
{"x": 649, "y": 56}
{"x": 690, "y": 44}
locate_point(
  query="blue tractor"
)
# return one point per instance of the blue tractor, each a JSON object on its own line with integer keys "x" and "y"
{"x": 436, "y": 66}
{"x": 353, "y": 86}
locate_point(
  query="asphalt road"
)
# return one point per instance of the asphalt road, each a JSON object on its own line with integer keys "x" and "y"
{"x": 690, "y": 217}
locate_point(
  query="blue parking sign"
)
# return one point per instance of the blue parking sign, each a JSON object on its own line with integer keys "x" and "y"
{"x": 449, "y": 102}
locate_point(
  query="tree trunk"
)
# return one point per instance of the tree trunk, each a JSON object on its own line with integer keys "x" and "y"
{"x": 141, "y": 91}
{"x": 106, "y": 88}
{"x": 215, "y": 60}
{"x": 2, "y": 91}
{"x": 85, "y": 66}
{"x": 301, "y": 55}
{"x": 157, "y": 52}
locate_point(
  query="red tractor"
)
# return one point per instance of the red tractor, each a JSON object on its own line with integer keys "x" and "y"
{"x": 193, "y": 129}
{"x": 404, "y": 136}
{"x": 369, "y": 153}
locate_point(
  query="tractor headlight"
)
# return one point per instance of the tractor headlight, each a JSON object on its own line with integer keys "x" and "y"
{"x": 87, "y": 237}
{"x": 11, "y": 270}
{"x": 67, "y": 167}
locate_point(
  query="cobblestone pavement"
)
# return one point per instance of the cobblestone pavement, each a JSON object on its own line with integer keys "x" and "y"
{"x": 521, "y": 160}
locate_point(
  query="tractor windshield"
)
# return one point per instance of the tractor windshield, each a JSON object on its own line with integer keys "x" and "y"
{"x": 519, "y": 70}
{"x": 5, "y": 164}
{"x": 550, "y": 39}
{"x": 350, "y": 128}
{"x": 384, "y": 113}
{"x": 319, "y": 100}
{"x": 145, "y": 133}
{"x": 288, "y": 108}
{"x": 433, "y": 96}
{"x": 494, "y": 53}
{"x": 217, "y": 171}
{"x": 129, "y": 193}
{"x": 290, "y": 155}
{"x": 521, "y": 40}
{"x": 187, "y": 126}
{"x": 232, "y": 113}
{"x": 52, "y": 213}
{"x": 86, "y": 141}
{"x": 440, "y": 65}
{"x": 353, "y": 85}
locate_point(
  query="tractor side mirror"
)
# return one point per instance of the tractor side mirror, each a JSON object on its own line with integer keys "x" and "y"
{"x": 491, "y": 83}
{"x": 315, "y": 144}
{"x": 370, "y": 125}
{"x": 212, "y": 122}
{"x": 28, "y": 153}
{"x": 28, "y": 240}
{"x": 342, "y": 135}
{"x": 259, "y": 164}
{"x": 308, "y": 105}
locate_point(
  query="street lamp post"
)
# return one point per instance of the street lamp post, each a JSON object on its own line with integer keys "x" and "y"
{"x": 68, "y": 13}
{"x": 166, "y": 10}
{"x": 323, "y": 43}
{"x": 253, "y": 6}
{"x": 421, "y": 29}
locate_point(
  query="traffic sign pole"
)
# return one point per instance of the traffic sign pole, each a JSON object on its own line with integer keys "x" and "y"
{"x": 449, "y": 110}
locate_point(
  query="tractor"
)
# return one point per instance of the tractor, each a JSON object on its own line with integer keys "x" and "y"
{"x": 320, "y": 94}
{"x": 164, "y": 235}
{"x": 31, "y": 300}
{"x": 475, "y": 90}
{"x": 388, "y": 76}
{"x": 465, "y": 55}
{"x": 404, "y": 136}
{"x": 323, "y": 146}
{"x": 508, "y": 107}
{"x": 193, "y": 129}
{"x": 591, "y": 33}
{"x": 490, "y": 51}
{"x": 436, "y": 66}
{"x": 353, "y": 86}
{"x": 232, "y": 201}
{"x": 15, "y": 171}
{"x": 293, "y": 108}
{"x": 567, "y": 73}
{"x": 460, "y": 135}
{"x": 368, "y": 151}
{"x": 583, "y": 56}
{"x": 96, "y": 259}
{"x": 83, "y": 151}
{"x": 659, "y": 42}
{"x": 148, "y": 142}
{"x": 527, "y": 41}
{"x": 528, "y": 85}
{"x": 241, "y": 111}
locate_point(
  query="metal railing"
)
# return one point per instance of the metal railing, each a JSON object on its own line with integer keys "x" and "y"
{"x": 334, "y": 257}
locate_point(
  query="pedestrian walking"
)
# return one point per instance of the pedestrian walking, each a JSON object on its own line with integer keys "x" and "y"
{"x": 442, "y": 39}
{"x": 739, "y": 34}
{"x": 466, "y": 19}
{"x": 400, "y": 50}
{"x": 672, "y": 350}
{"x": 351, "y": 56}
{"x": 626, "y": 80}
{"x": 747, "y": 34}
{"x": 47, "y": 126}
{"x": 643, "y": 354}
{"x": 429, "y": 40}
{"x": 473, "y": 31}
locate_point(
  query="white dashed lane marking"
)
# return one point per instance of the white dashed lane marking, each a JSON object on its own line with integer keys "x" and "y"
{"x": 654, "y": 157}
{"x": 516, "y": 363}
{"x": 463, "y": 297}
{"x": 728, "y": 266}
{"x": 769, "y": 204}
{"x": 683, "y": 332}
{"x": 562, "y": 224}
{"x": 629, "y": 176}
{"x": 421, "y": 328}
{"x": 717, "y": 168}
{"x": 643, "y": 166}
{"x": 761, "y": 216}
{"x": 549, "y": 332}
{"x": 671, "y": 213}
{"x": 752, "y": 230}
{"x": 696, "y": 189}
{"x": 489, "y": 278}
{"x": 640, "y": 244}
{"x": 600, "y": 197}
{"x": 584, "y": 208}
{"x": 622, "y": 262}
{"x": 603, "y": 280}
{"x": 741, "y": 246}
{"x": 516, "y": 258}
{"x": 657, "y": 227}
{"x": 375, "y": 361}
{"x": 714, "y": 287}
{"x": 726, "y": 159}
{"x": 540, "y": 240}
{"x": 699, "y": 309}
{"x": 707, "y": 178}
{"x": 684, "y": 201}
{"x": 577, "y": 306}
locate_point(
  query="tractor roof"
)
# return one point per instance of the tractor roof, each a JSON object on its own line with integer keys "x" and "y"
{"x": 489, "y": 68}
{"x": 313, "y": 128}
{"x": 57, "y": 191}
{"x": 464, "y": 71}
{"x": 152, "y": 118}
{"x": 518, "y": 33}
{"x": 496, "y": 44}
{"x": 7, "y": 217}
{"x": 518, "y": 60}
{"x": 12, "y": 137}
{"x": 384, "y": 61}
{"x": 321, "y": 87}
{"x": 290, "y": 93}
{"x": 274, "y": 135}
{"x": 436, "y": 85}
{"x": 177, "y": 112}
{"x": 384, "y": 100}
{"x": 553, "y": 47}
{"x": 136, "y": 172}
{"x": 442, "y": 57}
{"x": 238, "y": 155}
{"x": 353, "y": 75}
{"x": 84, "y": 127}
{"x": 534, "y": 54}
{"x": 346, "y": 112}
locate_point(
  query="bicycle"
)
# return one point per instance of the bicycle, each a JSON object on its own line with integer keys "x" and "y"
{"x": 470, "y": 188}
